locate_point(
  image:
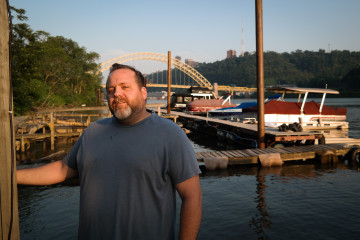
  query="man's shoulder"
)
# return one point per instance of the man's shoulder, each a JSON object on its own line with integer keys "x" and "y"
{"x": 164, "y": 122}
{"x": 104, "y": 122}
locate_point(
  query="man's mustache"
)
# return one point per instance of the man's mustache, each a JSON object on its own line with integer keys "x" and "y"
{"x": 116, "y": 100}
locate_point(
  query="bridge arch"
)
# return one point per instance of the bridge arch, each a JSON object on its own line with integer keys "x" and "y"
{"x": 182, "y": 66}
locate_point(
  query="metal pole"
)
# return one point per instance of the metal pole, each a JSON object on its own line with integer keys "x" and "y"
{"x": 169, "y": 83}
{"x": 260, "y": 73}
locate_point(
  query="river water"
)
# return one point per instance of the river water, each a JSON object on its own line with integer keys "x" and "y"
{"x": 307, "y": 201}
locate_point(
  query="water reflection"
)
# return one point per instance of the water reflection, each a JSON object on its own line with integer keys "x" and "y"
{"x": 274, "y": 189}
{"x": 262, "y": 219}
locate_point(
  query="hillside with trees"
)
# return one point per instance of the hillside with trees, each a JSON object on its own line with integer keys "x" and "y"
{"x": 337, "y": 69}
{"x": 50, "y": 71}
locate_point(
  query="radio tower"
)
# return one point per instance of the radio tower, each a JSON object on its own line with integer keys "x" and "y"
{"x": 242, "y": 41}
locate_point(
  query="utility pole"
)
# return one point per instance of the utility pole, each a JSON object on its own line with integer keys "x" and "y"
{"x": 260, "y": 73}
{"x": 169, "y": 83}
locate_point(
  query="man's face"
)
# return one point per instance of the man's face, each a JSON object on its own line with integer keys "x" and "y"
{"x": 126, "y": 98}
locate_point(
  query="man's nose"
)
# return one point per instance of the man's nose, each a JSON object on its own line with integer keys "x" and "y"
{"x": 118, "y": 92}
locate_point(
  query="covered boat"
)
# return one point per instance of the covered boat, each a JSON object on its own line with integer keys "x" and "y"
{"x": 309, "y": 115}
{"x": 231, "y": 111}
{"x": 179, "y": 100}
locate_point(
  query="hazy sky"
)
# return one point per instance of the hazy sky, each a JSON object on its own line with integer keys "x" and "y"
{"x": 202, "y": 30}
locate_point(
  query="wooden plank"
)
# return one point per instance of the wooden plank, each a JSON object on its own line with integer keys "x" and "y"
{"x": 226, "y": 153}
{"x": 276, "y": 150}
{"x": 235, "y": 153}
{"x": 244, "y": 160}
{"x": 250, "y": 156}
{"x": 297, "y": 156}
{"x": 9, "y": 220}
{"x": 218, "y": 154}
{"x": 260, "y": 151}
{"x": 251, "y": 152}
{"x": 241, "y": 153}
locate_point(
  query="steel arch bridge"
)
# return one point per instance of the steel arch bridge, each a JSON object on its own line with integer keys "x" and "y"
{"x": 178, "y": 64}
{"x": 191, "y": 72}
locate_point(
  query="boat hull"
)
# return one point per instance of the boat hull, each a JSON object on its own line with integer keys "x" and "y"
{"x": 278, "y": 113}
{"x": 202, "y": 106}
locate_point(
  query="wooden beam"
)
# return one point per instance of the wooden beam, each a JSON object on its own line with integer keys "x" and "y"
{"x": 9, "y": 219}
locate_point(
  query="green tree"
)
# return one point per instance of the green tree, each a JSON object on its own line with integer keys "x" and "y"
{"x": 50, "y": 71}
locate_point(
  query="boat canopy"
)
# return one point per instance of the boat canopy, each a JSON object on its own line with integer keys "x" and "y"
{"x": 301, "y": 90}
{"x": 305, "y": 91}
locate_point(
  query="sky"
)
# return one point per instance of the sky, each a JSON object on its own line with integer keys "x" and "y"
{"x": 202, "y": 30}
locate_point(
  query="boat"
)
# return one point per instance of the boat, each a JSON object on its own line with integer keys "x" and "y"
{"x": 158, "y": 95}
{"x": 202, "y": 106}
{"x": 232, "y": 111}
{"x": 307, "y": 115}
{"x": 179, "y": 100}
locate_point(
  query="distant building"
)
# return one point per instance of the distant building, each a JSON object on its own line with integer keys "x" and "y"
{"x": 178, "y": 58}
{"x": 231, "y": 54}
{"x": 191, "y": 63}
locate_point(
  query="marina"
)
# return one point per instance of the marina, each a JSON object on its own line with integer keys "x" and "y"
{"x": 286, "y": 145}
{"x": 241, "y": 201}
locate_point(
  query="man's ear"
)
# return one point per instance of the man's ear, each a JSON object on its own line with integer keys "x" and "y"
{"x": 144, "y": 92}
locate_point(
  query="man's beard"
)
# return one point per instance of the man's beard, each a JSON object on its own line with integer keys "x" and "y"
{"x": 120, "y": 113}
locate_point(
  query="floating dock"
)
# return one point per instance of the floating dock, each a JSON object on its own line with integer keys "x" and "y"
{"x": 326, "y": 153}
{"x": 247, "y": 133}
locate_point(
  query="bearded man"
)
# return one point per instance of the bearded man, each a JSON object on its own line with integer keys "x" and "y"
{"x": 130, "y": 167}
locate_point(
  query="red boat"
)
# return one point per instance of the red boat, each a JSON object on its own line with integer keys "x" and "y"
{"x": 202, "y": 106}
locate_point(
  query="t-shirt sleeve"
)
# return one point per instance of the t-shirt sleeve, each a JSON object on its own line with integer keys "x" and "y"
{"x": 183, "y": 162}
{"x": 70, "y": 159}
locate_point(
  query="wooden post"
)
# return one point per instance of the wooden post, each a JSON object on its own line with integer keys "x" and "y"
{"x": 9, "y": 219}
{"x": 169, "y": 83}
{"x": 216, "y": 90}
{"x": 43, "y": 119}
{"x": 52, "y": 131}
{"x": 88, "y": 121}
{"x": 260, "y": 74}
{"x": 22, "y": 143}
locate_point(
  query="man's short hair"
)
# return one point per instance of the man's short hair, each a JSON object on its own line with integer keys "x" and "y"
{"x": 138, "y": 75}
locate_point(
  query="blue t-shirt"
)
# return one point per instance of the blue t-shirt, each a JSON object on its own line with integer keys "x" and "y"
{"x": 128, "y": 176}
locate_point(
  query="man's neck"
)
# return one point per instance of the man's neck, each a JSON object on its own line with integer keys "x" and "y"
{"x": 134, "y": 118}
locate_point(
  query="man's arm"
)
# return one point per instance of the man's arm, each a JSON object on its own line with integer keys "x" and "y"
{"x": 45, "y": 175}
{"x": 191, "y": 208}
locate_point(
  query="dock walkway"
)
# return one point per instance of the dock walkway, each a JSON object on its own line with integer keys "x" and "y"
{"x": 324, "y": 152}
{"x": 272, "y": 136}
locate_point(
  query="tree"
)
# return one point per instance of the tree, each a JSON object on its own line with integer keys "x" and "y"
{"x": 50, "y": 71}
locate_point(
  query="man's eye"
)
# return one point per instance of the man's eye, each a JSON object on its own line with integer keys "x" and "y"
{"x": 110, "y": 91}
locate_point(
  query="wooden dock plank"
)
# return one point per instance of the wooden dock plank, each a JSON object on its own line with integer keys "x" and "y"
{"x": 250, "y": 156}
{"x": 226, "y": 153}
{"x": 251, "y": 152}
{"x": 240, "y": 153}
{"x": 229, "y": 153}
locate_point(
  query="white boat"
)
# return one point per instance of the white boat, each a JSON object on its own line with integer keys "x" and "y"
{"x": 309, "y": 115}
{"x": 179, "y": 100}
